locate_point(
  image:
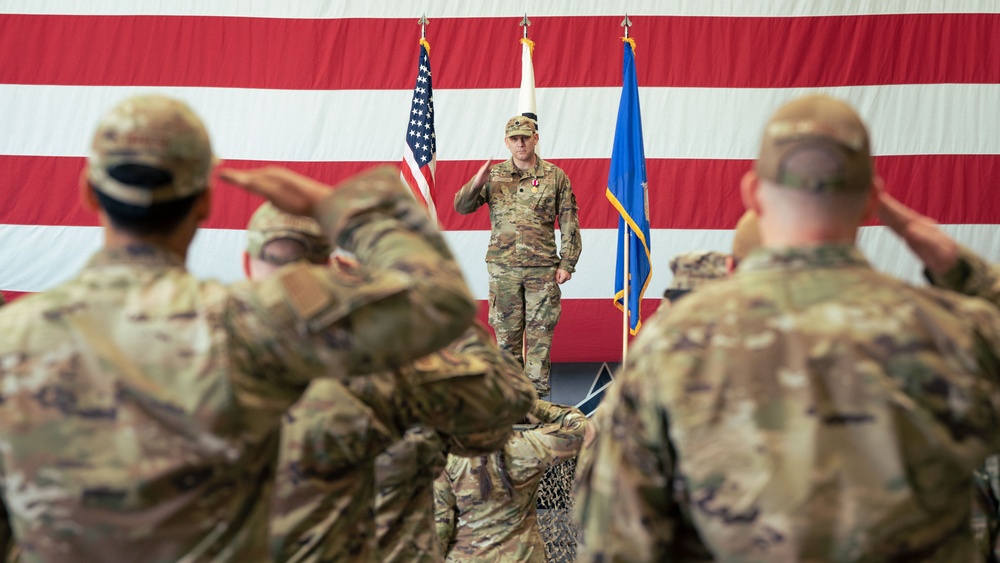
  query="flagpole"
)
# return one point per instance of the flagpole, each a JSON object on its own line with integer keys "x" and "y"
{"x": 626, "y": 23}
{"x": 423, "y": 26}
{"x": 625, "y": 283}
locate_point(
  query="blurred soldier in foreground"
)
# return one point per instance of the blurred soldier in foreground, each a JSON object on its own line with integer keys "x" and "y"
{"x": 329, "y": 479}
{"x": 526, "y": 195}
{"x": 139, "y": 406}
{"x": 808, "y": 408}
{"x": 950, "y": 265}
{"x": 486, "y": 508}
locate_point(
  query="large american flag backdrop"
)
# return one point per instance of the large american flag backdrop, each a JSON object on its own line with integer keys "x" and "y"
{"x": 325, "y": 87}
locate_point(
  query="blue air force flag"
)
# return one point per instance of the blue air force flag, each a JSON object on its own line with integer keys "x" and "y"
{"x": 627, "y": 192}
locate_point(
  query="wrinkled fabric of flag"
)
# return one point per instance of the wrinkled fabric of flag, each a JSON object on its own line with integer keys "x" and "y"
{"x": 627, "y": 192}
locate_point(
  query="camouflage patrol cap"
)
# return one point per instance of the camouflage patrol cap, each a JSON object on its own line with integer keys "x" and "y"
{"x": 269, "y": 223}
{"x": 693, "y": 269}
{"x": 747, "y": 235}
{"x": 816, "y": 143}
{"x": 154, "y": 131}
{"x": 520, "y": 125}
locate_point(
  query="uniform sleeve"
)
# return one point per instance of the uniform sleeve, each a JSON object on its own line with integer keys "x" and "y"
{"x": 471, "y": 392}
{"x": 972, "y": 275}
{"x": 444, "y": 511}
{"x": 308, "y": 321}
{"x": 469, "y": 198}
{"x": 569, "y": 227}
{"x": 558, "y": 439}
{"x": 986, "y": 508}
{"x": 625, "y": 502}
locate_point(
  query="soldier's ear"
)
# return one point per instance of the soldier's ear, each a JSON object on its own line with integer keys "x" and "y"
{"x": 749, "y": 188}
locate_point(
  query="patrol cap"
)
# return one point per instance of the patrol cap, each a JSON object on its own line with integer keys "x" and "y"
{"x": 747, "y": 235}
{"x": 155, "y": 131}
{"x": 693, "y": 269}
{"x": 520, "y": 125}
{"x": 816, "y": 143}
{"x": 268, "y": 223}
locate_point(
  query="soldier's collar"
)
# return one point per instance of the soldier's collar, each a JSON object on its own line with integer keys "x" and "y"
{"x": 140, "y": 254}
{"x": 538, "y": 171}
{"x": 822, "y": 256}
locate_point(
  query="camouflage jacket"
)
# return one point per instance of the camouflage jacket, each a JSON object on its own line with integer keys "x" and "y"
{"x": 464, "y": 397}
{"x": 808, "y": 409}
{"x": 976, "y": 277}
{"x": 502, "y": 527}
{"x": 524, "y": 207}
{"x": 404, "y": 502}
{"x": 971, "y": 275}
{"x": 138, "y": 405}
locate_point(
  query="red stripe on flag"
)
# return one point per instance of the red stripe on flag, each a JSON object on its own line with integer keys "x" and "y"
{"x": 680, "y": 51}
{"x": 407, "y": 173}
{"x": 12, "y": 295}
{"x": 683, "y": 193}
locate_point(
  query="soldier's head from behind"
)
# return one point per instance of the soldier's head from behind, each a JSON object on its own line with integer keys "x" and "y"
{"x": 521, "y": 136}
{"x": 813, "y": 181}
{"x": 276, "y": 238}
{"x": 149, "y": 167}
{"x": 692, "y": 270}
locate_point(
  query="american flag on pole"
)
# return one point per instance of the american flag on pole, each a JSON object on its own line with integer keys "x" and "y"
{"x": 420, "y": 153}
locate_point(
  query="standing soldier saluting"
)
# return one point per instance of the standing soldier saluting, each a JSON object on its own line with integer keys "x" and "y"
{"x": 526, "y": 195}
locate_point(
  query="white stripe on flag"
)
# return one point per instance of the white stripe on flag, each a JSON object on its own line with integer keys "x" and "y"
{"x": 217, "y": 253}
{"x": 717, "y": 123}
{"x": 420, "y": 179}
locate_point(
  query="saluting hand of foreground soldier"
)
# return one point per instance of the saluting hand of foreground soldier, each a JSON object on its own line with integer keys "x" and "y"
{"x": 289, "y": 191}
{"x": 937, "y": 250}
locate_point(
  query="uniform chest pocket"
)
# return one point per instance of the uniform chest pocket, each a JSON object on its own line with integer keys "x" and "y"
{"x": 545, "y": 201}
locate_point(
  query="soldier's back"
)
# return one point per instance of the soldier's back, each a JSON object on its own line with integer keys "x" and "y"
{"x": 820, "y": 410}
{"x": 122, "y": 431}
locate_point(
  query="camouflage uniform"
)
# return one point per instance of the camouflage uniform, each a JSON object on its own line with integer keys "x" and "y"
{"x": 522, "y": 258}
{"x": 815, "y": 410}
{"x": 404, "y": 505}
{"x": 974, "y": 276}
{"x": 808, "y": 408}
{"x": 464, "y": 397}
{"x": 139, "y": 406}
{"x": 502, "y": 527}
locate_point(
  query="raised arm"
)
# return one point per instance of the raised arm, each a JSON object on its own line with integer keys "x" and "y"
{"x": 471, "y": 392}
{"x": 472, "y": 196}
{"x": 308, "y": 321}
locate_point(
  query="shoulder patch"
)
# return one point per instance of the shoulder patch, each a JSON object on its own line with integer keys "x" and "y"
{"x": 305, "y": 292}
{"x": 448, "y": 364}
